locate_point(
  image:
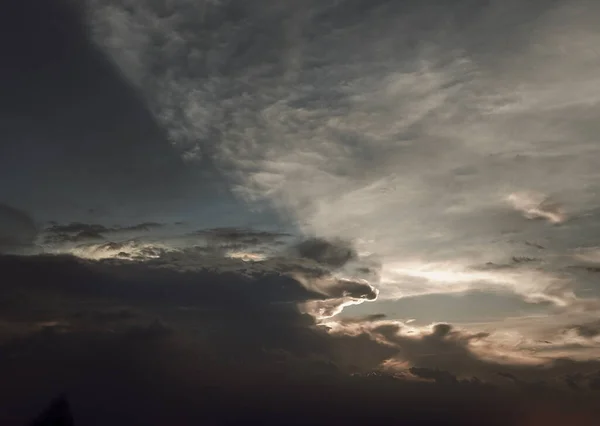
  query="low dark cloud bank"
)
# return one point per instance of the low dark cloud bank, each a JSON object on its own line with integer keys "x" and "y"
{"x": 144, "y": 343}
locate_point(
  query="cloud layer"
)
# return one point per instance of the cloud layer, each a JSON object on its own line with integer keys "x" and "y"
{"x": 119, "y": 337}
{"x": 263, "y": 211}
{"x": 421, "y": 142}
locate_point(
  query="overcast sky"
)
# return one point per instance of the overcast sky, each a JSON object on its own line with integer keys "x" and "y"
{"x": 203, "y": 203}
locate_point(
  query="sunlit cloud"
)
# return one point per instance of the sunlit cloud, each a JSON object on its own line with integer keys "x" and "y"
{"x": 588, "y": 255}
{"x": 246, "y": 256}
{"x": 326, "y": 309}
{"x": 403, "y": 279}
{"x": 126, "y": 250}
{"x": 537, "y": 206}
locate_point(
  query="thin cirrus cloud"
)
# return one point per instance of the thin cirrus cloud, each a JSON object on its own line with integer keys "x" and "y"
{"x": 402, "y": 150}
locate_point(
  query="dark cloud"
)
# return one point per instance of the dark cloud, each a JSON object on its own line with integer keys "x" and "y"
{"x": 524, "y": 259}
{"x": 572, "y": 381}
{"x": 191, "y": 335}
{"x": 144, "y": 226}
{"x": 58, "y": 414}
{"x": 151, "y": 282}
{"x": 79, "y": 237}
{"x": 450, "y": 350}
{"x": 133, "y": 342}
{"x": 368, "y": 318}
{"x": 441, "y": 330}
{"x": 81, "y": 232}
{"x": 582, "y": 381}
{"x": 17, "y": 228}
{"x": 77, "y": 232}
{"x": 331, "y": 253}
{"x": 247, "y": 236}
{"x": 147, "y": 376}
{"x": 588, "y": 330}
{"x": 104, "y": 316}
{"x": 535, "y": 245}
{"x": 439, "y": 376}
{"x": 77, "y": 228}
{"x": 508, "y": 376}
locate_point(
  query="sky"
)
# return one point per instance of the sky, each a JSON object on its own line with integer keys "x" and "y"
{"x": 300, "y": 211}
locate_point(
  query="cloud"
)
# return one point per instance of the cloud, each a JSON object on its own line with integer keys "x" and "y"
{"x": 16, "y": 228}
{"x": 324, "y": 309}
{"x": 411, "y": 153}
{"x": 242, "y": 242}
{"x": 401, "y": 128}
{"x": 333, "y": 287}
{"x": 59, "y": 412}
{"x": 77, "y": 227}
{"x": 101, "y": 330}
{"x": 439, "y": 376}
{"x": 452, "y": 356}
{"x": 317, "y": 265}
{"x": 59, "y": 237}
{"x": 121, "y": 377}
{"x": 70, "y": 143}
{"x": 255, "y": 253}
{"x": 339, "y": 293}
{"x": 588, "y": 330}
{"x": 334, "y": 254}
{"x": 536, "y": 206}
{"x": 580, "y": 382}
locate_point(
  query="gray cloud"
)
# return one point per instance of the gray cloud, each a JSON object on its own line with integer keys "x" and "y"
{"x": 532, "y": 206}
{"x": 77, "y": 227}
{"x": 16, "y": 228}
{"x": 588, "y": 330}
{"x": 334, "y": 254}
{"x": 404, "y": 128}
{"x": 440, "y": 376}
{"x": 214, "y": 335}
{"x": 415, "y": 152}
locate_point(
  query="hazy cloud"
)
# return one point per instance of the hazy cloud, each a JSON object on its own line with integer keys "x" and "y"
{"x": 16, "y": 228}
